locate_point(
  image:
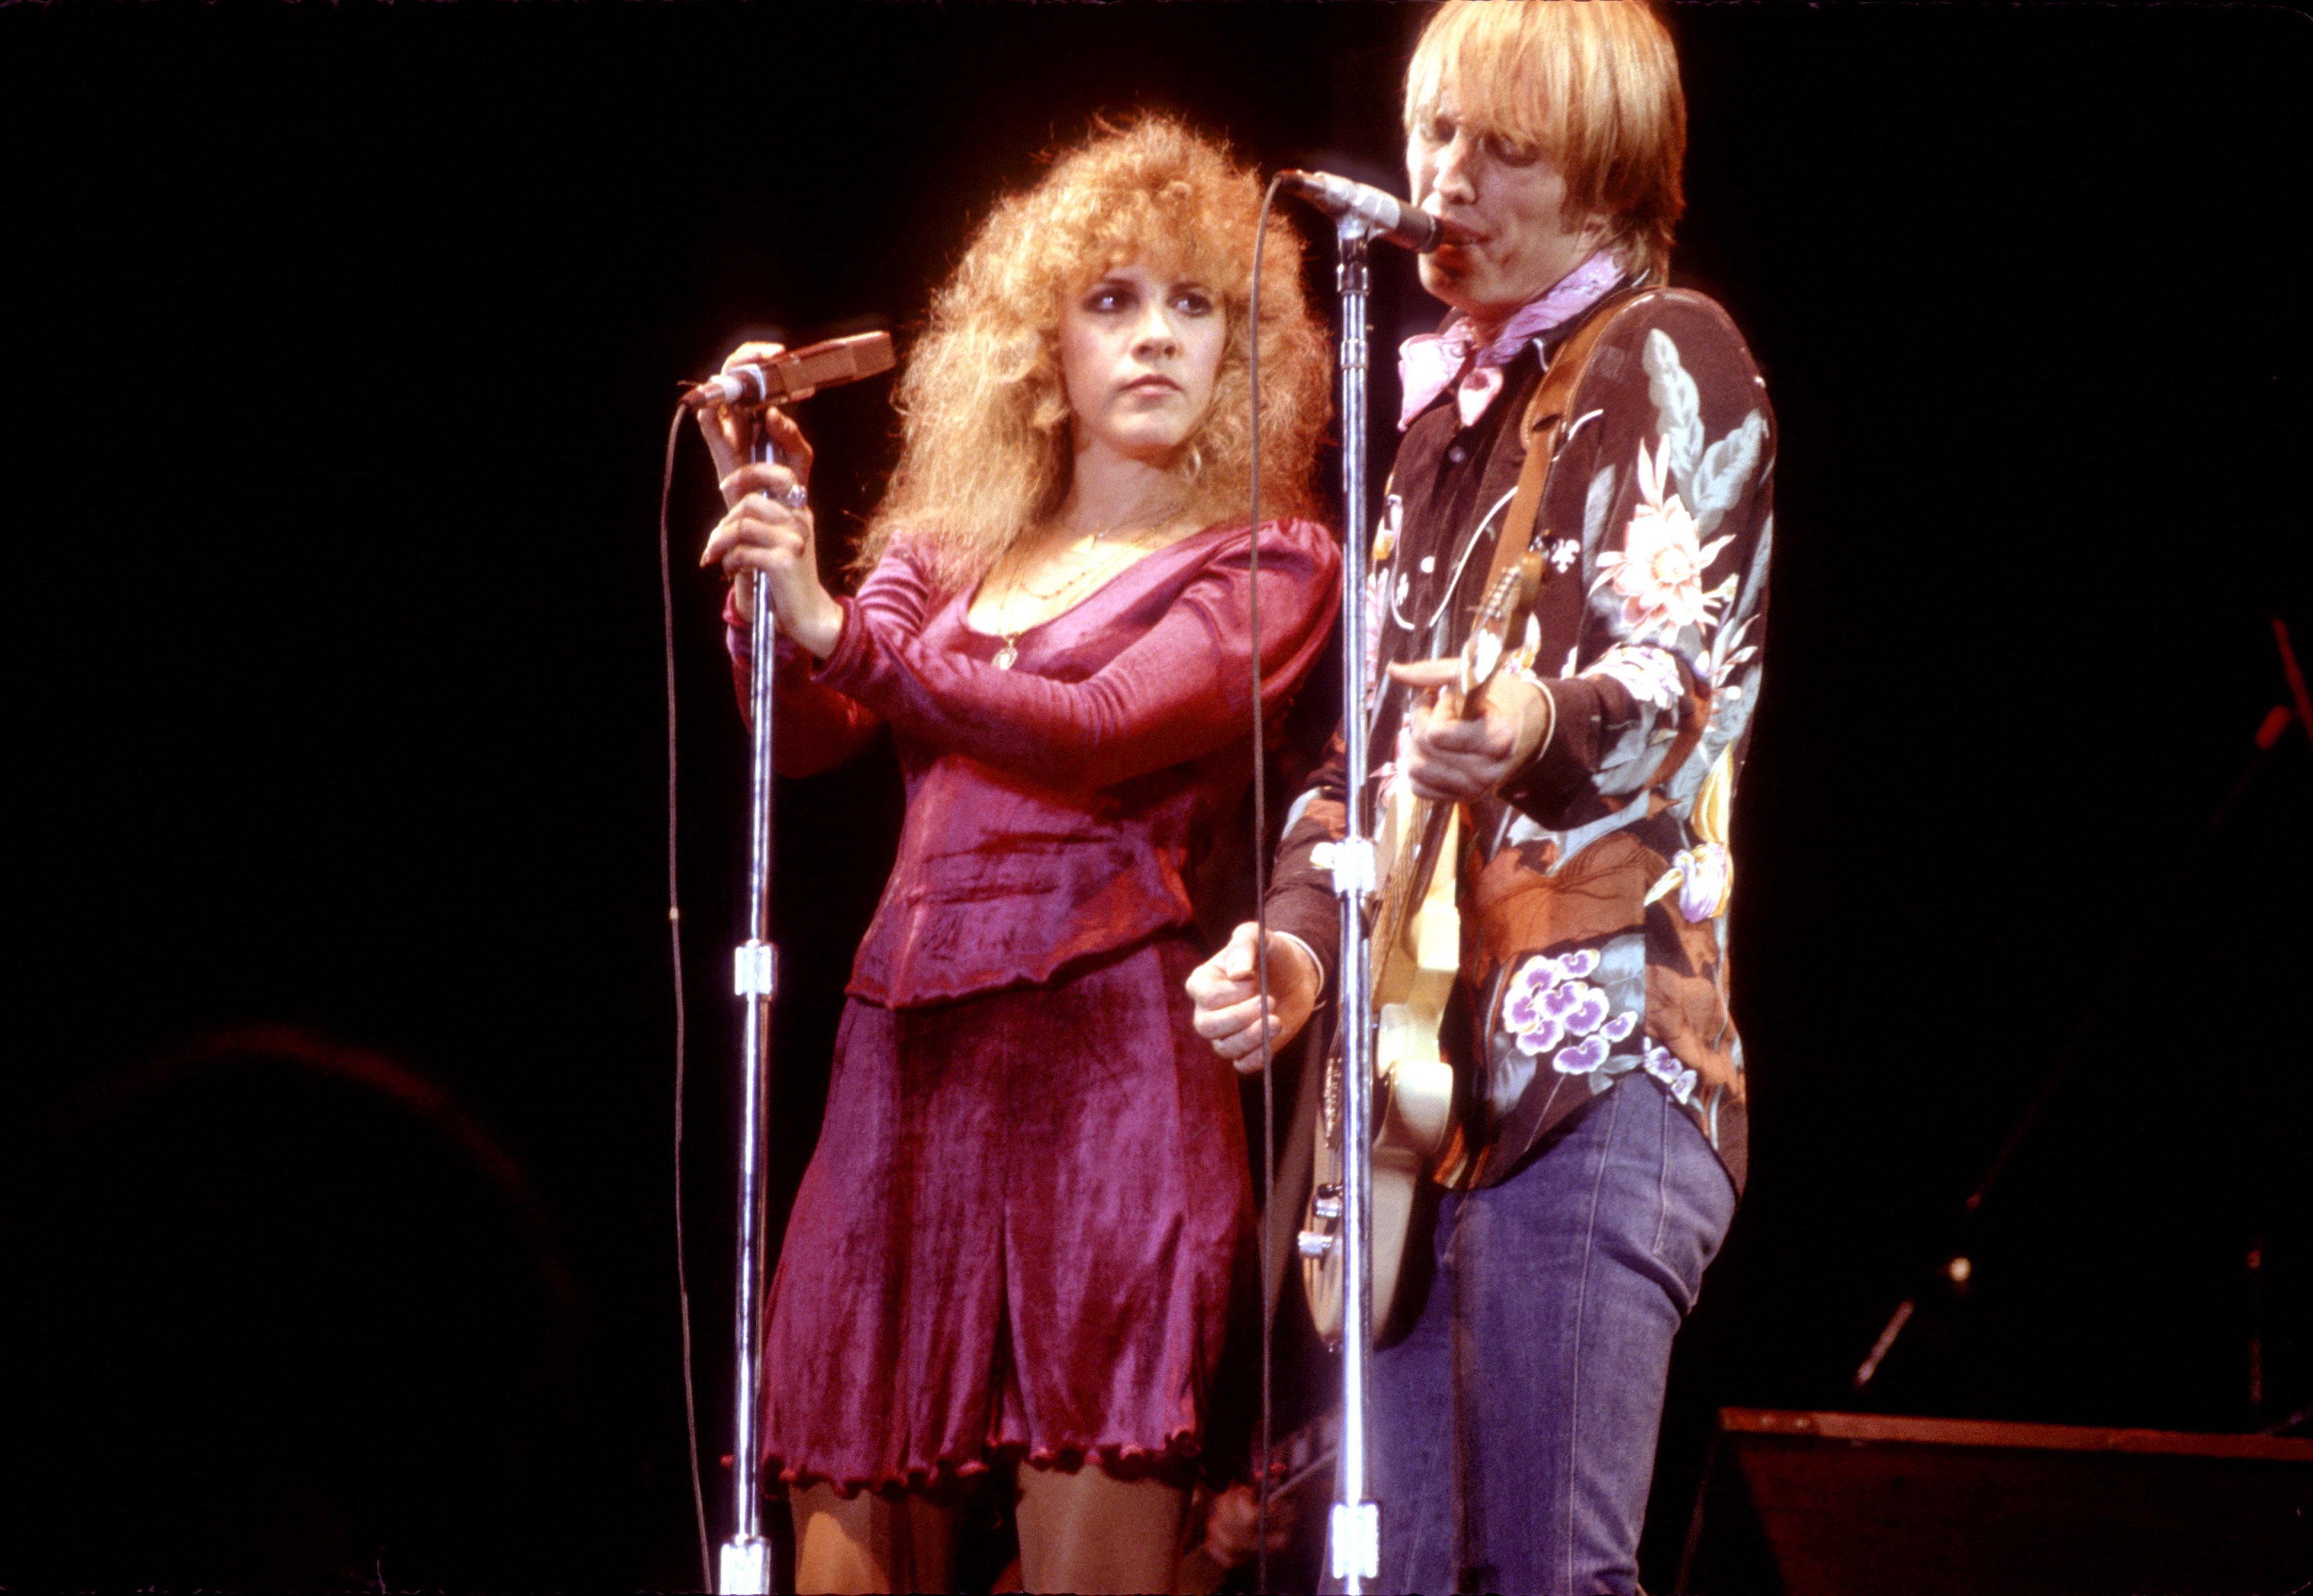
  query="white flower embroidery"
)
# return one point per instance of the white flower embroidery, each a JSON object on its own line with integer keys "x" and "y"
{"x": 1651, "y": 674}
{"x": 1679, "y": 405}
{"x": 1658, "y": 570}
{"x": 1595, "y": 503}
{"x": 1702, "y": 874}
{"x": 1709, "y": 479}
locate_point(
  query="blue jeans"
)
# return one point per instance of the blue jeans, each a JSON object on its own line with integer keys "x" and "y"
{"x": 1514, "y": 1428}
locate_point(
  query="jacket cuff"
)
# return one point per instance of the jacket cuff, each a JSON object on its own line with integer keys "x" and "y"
{"x": 842, "y": 668}
{"x": 1313, "y": 919}
{"x": 1581, "y": 707}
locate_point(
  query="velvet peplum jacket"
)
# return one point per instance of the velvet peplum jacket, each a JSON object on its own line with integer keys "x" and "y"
{"x": 1056, "y": 809}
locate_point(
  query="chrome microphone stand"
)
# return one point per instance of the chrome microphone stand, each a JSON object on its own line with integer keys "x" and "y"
{"x": 745, "y": 1566}
{"x": 1356, "y": 1524}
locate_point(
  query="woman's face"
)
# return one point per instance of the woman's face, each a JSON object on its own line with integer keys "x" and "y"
{"x": 1139, "y": 349}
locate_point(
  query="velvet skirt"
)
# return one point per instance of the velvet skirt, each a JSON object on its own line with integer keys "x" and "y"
{"x": 1026, "y": 1234}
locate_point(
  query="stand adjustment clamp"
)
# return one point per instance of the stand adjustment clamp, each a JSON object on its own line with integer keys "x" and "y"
{"x": 1357, "y": 1540}
{"x": 756, "y": 969}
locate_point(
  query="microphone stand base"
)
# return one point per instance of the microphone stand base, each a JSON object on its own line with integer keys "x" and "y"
{"x": 746, "y": 1567}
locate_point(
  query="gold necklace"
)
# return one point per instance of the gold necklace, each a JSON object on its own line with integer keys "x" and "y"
{"x": 1063, "y": 598}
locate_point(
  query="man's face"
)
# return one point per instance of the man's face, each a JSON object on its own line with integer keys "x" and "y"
{"x": 1507, "y": 236}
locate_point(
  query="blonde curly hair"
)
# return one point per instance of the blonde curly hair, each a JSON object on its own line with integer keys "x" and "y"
{"x": 985, "y": 436}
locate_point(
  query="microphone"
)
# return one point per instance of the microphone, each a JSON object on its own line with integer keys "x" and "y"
{"x": 796, "y": 374}
{"x": 1393, "y": 219}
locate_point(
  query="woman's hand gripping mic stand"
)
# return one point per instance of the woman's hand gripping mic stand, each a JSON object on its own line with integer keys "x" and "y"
{"x": 783, "y": 376}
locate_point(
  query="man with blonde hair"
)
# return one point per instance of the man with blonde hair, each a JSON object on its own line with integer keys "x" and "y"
{"x": 1600, "y": 1114}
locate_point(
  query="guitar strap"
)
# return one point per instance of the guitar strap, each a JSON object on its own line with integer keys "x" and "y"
{"x": 1545, "y": 425}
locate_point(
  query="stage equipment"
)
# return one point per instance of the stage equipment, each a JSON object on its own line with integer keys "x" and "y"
{"x": 1953, "y": 1260}
{"x": 744, "y": 1565}
{"x": 1355, "y": 1530}
{"x": 1830, "y": 1504}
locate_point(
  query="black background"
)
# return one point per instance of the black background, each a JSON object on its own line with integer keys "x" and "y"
{"x": 337, "y": 355}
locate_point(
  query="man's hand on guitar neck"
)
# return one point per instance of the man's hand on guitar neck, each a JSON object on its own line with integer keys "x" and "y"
{"x": 1229, "y": 997}
{"x": 1458, "y": 759}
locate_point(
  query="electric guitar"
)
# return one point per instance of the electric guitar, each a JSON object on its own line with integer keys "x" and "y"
{"x": 1415, "y": 952}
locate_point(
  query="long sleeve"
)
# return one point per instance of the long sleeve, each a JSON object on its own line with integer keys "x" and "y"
{"x": 818, "y": 727}
{"x": 1660, "y": 582}
{"x": 1178, "y": 692}
{"x": 1301, "y": 899}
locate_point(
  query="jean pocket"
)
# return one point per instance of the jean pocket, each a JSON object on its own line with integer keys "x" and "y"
{"x": 1698, "y": 1200}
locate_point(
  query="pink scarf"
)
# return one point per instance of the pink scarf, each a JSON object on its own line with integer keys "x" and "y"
{"x": 1434, "y": 362}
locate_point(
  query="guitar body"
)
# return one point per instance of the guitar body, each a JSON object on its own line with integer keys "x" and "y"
{"x": 1416, "y": 930}
{"x": 1415, "y": 954}
{"x": 1414, "y": 1086}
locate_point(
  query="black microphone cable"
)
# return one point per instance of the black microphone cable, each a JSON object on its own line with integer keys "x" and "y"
{"x": 674, "y": 940}
{"x": 1260, "y": 910}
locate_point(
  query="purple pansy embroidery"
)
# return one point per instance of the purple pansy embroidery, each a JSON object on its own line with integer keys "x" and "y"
{"x": 1551, "y": 1008}
{"x": 1580, "y": 1058}
{"x": 1663, "y": 1065}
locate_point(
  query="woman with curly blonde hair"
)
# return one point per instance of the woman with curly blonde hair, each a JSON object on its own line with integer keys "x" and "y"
{"x": 1023, "y": 1237}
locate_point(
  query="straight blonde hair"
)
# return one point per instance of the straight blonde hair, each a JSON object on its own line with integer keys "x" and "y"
{"x": 1591, "y": 84}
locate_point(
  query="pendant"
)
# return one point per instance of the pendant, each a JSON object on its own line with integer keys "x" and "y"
{"x": 1007, "y": 656}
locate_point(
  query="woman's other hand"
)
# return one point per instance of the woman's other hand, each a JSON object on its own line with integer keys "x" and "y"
{"x": 1227, "y": 996}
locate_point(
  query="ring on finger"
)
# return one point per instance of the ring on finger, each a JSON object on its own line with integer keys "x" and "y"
{"x": 795, "y": 498}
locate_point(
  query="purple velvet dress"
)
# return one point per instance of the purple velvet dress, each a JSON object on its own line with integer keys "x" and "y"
{"x": 1027, "y": 1223}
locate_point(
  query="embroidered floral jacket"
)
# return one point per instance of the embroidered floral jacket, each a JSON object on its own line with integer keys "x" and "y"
{"x": 1595, "y": 888}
